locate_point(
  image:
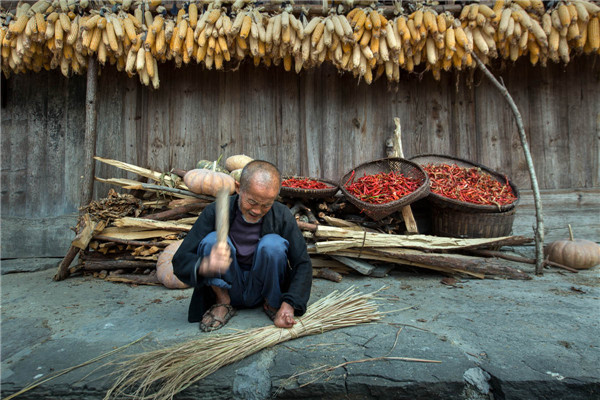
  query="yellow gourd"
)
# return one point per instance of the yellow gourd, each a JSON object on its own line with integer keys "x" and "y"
{"x": 209, "y": 182}
{"x": 237, "y": 162}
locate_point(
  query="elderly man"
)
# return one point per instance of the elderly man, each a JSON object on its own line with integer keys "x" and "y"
{"x": 265, "y": 261}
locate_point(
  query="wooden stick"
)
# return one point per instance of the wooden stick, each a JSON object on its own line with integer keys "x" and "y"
{"x": 132, "y": 242}
{"x": 305, "y": 226}
{"x": 539, "y": 230}
{"x": 326, "y": 273}
{"x": 151, "y": 280}
{"x": 63, "y": 267}
{"x": 175, "y": 213}
{"x": 407, "y": 215}
{"x": 148, "y": 173}
{"x": 510, "y": 257}
{"x": 150, "y": 224}
{"x": 117, "y": 264}
{"x": 222, "y": 215}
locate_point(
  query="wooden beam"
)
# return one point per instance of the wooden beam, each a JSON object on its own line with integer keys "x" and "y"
{"x": 89, "y": 141}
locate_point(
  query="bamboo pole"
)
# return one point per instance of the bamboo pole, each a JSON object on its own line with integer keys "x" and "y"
{"x": 539, "y": 230}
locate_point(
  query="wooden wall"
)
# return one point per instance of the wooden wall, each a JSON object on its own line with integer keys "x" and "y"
{"x": 317, "y": 123}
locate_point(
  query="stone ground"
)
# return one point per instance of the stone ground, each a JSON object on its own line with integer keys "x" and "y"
{"x": 496, "y": 339}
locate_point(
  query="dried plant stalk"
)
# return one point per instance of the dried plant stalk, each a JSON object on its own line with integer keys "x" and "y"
{"x": 160, "y": 374}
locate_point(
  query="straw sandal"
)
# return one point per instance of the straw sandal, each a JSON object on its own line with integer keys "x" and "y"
{"x": 214, "y": 319}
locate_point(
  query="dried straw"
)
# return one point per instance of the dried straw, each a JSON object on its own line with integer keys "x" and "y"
{"x": 160, "y": 374}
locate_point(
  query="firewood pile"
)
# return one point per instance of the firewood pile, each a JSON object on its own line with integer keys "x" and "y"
{"x": 120, "y": 237}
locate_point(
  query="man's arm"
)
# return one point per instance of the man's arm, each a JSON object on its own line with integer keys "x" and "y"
{"x": 298, "y": 292}
{"x": 186, "y": 260}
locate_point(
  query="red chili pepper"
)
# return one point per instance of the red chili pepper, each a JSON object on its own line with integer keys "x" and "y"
{"x": 470, "y": 185}
{"x": 304, "y": 183}
{"x": 381, "y": 188}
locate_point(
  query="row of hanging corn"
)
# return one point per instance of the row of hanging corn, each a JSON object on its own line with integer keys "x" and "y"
{"x": 138, "y": 37}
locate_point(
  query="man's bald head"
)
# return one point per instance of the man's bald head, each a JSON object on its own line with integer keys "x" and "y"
{"x": 260, "y": 172}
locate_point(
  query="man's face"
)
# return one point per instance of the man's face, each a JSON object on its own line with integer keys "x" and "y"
{"x": 257, "y": 200}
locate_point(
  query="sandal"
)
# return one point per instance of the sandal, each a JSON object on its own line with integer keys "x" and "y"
{"x": 221, "y": 322}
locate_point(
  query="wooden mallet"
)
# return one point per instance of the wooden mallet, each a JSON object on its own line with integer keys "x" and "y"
{"x": 222, "y": 216}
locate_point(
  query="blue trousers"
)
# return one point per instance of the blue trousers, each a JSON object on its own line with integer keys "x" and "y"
{"x": 264, "y": 279}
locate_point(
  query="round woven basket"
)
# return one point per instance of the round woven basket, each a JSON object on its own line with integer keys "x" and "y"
{"x": 400, "y": 165}
{"x": 451, "y": 222}
{"x": 437, "y": 159}
{"x": 309, "y": 193}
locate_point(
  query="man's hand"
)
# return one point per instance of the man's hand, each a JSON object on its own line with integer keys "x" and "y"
{"x": 285, "y": 316}
{"x": 217, "y": 262}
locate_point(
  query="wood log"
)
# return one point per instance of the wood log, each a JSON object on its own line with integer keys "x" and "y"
{"x": 510, "y": 257}
{"x": 184, "y": 202}
{"x": 358, "y": 265}
{"x": 117, "y": 264}
{"x": 151, "y": 280}
{"x": 63, "y": 267}
{"x": 342, "y": 223}
{"x": 326, "y": 273}
{"x": 175, "y": 213}
{"x": 352, "y": 238}
{"x": 478, "y": 265}
{"x": 305, "y": 226}
{"x": 115, "y": 233}
{"x": 142, "y": 223}
{"x": 164, "y": 243}
{"x": 90, "y": 228}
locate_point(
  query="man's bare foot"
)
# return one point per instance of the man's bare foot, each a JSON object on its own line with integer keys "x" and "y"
{"x": 282, "y": 318}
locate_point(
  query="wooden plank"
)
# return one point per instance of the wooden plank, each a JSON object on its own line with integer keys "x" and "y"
{"x": 312, "y": 114}
{"x": 358, "y": 265}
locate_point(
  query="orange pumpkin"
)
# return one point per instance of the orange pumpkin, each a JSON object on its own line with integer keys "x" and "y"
{"x": 164, "y": 267}
{"x": 204, "y": 181}
{"x": 574, "y": 253}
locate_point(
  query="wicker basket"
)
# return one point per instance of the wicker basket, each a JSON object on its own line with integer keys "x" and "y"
{"x": 447, "y": 221}
{"x": 399, "y": 165}
{"x": 309, "y": 193}
{"x": 442, "y": 201}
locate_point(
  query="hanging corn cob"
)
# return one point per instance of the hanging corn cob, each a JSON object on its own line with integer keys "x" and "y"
{"x": 137, "y": 37}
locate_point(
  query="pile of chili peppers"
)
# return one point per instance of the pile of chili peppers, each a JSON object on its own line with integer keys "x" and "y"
{"x": 304, "y": 183}
{"x": 382, "y": 188}
{"x": 470, "y": 185}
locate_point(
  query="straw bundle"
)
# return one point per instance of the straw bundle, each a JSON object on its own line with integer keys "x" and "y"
{"x": 160, "y": 374}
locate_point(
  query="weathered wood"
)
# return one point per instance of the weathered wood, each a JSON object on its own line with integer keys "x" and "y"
{"x": 351, "y": 238}
{"x": 117, "y": 264}
{"x": 112, "y": 233}
{"x": 161, "y": 130}
{"x": 133, "y": 242}
{"x": 89, "y": 144}
{"x": 89, "y": 228}
{"x": 511, "y": 257}
{"x": 175, "y": 213}
{"x": 361, "y": 266}
{"x": 134, "y": 279}
{"x": 147, "y": 173}
{"x": 63, "y": 267}
{"x": 326, "y": 273}
{"x": 142, "y": 223}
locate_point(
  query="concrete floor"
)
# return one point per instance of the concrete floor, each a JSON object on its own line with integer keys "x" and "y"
{"x": 499, "y": 339}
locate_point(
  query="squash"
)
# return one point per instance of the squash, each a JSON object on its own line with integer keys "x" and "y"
{"x": 209, "y": 182}
{"x": 236, "y": 174}
{"x": 164, "y": 267}
{"x": 237, "y": 162}
{"x": 574, "y": 253}
{"x": 206, "y": 164}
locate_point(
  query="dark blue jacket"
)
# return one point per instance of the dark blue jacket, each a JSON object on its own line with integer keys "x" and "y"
{"x": 279, "y": 220}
